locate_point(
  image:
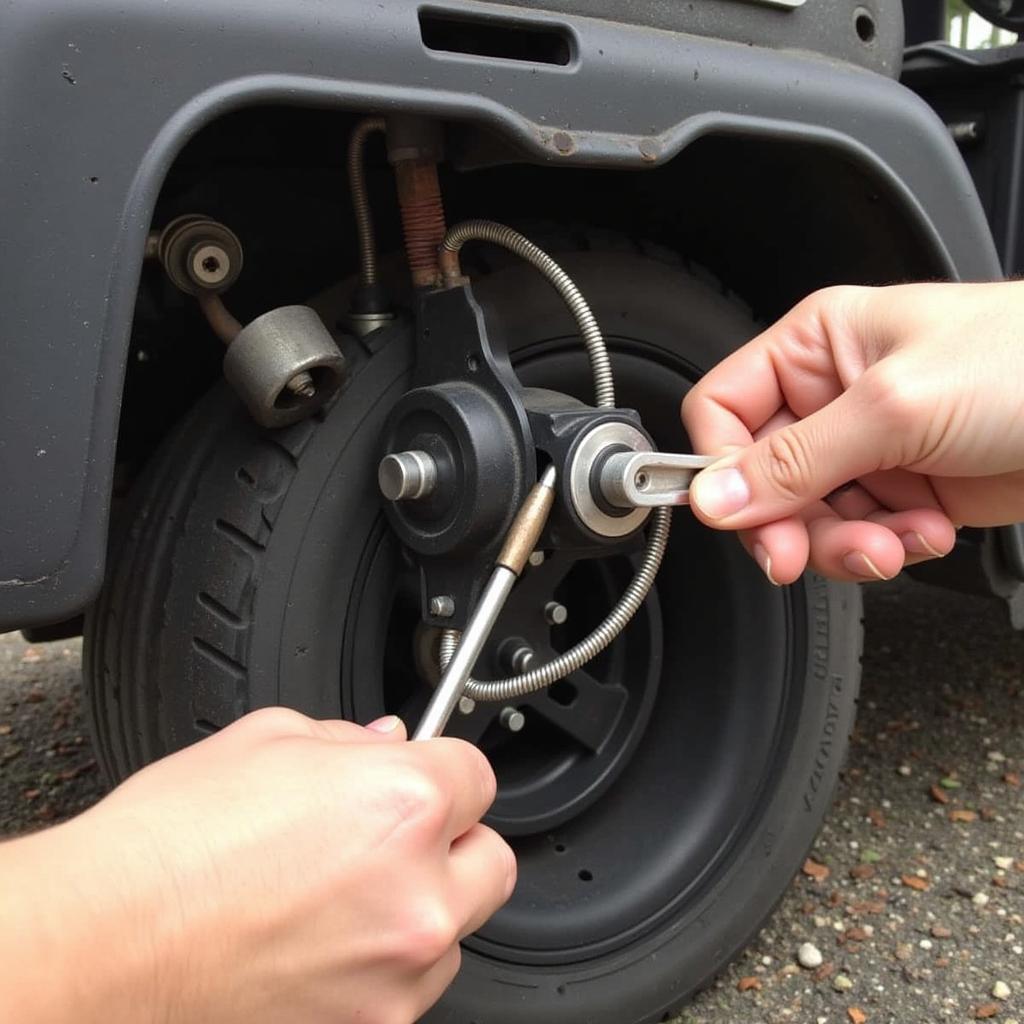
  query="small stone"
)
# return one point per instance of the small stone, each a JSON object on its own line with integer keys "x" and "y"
{"x": 980, "y": 899}
{"x": 862, "y": 871}
{"x": 904, "y": 951}
{"x": 746, "y": 984}
{"x": 856, "y": 1015}
{"x": 905, "y": 770}
{"x": 940, "y": 931}
{"x": 985, "y": 1010}
{"x": 841, "y": 983}
{"x": 938, "y": 795}
{"x": 1000, "y": 990}
{"x": 819, "y": 921}
{"x": 809, "y": 956}
{"x": 997, "y": 756}
{"x": 1003, "y": 863}
{"x": 857, "y": 934}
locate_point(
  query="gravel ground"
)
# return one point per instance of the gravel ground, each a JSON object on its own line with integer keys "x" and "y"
{"x": 912, "y": 902}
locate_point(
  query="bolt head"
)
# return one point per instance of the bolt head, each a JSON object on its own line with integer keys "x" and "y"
{"x": 555, "y": 613}
{"x": 536, "y": 558}
{"x": 209, "y": 265}
{"x": 521, "y": 659}
{"x": 467, "y": 705}
{"x": 512, "y": 719}
{"x": 442, "y": 606}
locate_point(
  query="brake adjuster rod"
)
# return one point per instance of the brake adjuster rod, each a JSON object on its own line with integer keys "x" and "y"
{"x": 520, "y": 541}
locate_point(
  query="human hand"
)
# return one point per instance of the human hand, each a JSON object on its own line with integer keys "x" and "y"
{"x": 283, "y": 870}
{"x": 864, "y": 426}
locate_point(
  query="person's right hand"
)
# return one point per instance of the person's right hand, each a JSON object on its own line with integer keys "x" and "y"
{"x": 864, "y": 426}
{"x": 283, "y": 870}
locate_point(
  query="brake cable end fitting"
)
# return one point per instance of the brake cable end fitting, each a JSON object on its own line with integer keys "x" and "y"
{"x": 526, "y": 528}
{"x": 451, "y": 271}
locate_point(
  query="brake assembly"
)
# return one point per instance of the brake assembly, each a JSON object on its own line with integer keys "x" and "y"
{"x": 461, "y": 449}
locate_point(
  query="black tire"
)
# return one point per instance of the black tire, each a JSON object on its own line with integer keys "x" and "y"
{"x": 254, "y": 561}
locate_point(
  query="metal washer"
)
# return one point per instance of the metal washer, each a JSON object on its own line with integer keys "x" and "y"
{"x": 587, "y": 452}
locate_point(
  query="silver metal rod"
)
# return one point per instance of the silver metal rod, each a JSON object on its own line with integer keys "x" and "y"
{"x": 478, "y": 629}
{"x": 650, "y": 479}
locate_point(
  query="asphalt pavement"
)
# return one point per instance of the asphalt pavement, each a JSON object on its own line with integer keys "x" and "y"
{"x": 910, "y": 909}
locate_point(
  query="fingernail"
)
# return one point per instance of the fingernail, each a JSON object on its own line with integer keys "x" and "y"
{"x": 389, "y": 723}
{"x": 915, "y": 543}
{"x": 764, "y": 560}
{"x": 720, "y": 492}
{"x": 860, "y": 565}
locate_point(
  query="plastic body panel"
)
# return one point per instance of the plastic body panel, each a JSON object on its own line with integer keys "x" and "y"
{"x": 826, "y": 27}
{"x": 96, "y": 100}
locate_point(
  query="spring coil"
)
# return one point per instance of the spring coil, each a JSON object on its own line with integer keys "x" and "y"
{"x": 507, "y": 238}
{"x": 360, "y": 199}
{"x": 592, "y": 645}
{"x": 423, "y": 222}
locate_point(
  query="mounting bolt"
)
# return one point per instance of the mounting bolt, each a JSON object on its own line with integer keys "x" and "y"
{"x": 406, "y": 476}
{"x": 555, "y": 613}
{"x": 302, "y": 385}
{"x": 536, "y": 558}
{"x": 467, "y": 705}
{"x": 512, "y": 719}
{"x": 442, "y": 606}
{"x": 520, "y": 658}
{"x": 209, "y": 265}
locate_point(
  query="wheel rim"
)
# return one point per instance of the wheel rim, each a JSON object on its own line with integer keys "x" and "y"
{"x": 616, "y": 838}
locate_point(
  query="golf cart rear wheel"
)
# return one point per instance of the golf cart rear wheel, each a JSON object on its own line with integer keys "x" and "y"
{"x": 652, "y": 841}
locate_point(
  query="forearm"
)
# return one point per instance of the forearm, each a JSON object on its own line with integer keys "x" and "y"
{"x": 73, "y": 948}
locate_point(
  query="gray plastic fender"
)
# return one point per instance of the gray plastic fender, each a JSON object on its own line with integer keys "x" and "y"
{"x": 97, "y": 99}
